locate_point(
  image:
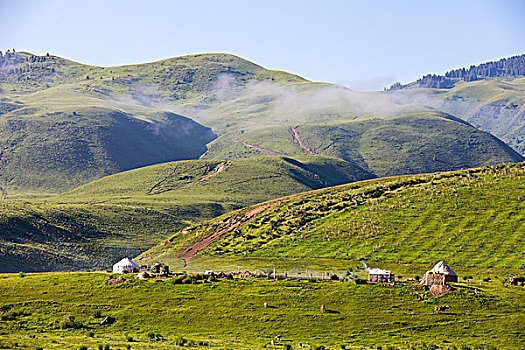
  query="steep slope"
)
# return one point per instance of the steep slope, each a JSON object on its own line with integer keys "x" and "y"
{"x": 56, "y": 149}
{"x": 126, "y": 213}
{"x": 409, "y": 144}
{"x": 468, "y": 218}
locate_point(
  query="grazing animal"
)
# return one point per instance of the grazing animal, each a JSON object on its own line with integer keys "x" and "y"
{"x": 265, "y": 305}
{"x": 439, "y": 308}
{"x": 322, "y": 308}
{"x": 277, "y": 338}
{"x": 515, "y": 280}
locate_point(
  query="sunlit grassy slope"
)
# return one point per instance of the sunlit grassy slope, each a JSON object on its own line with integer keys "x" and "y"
{"x": 126, "y": 213}
{"x": 467, "y": 218}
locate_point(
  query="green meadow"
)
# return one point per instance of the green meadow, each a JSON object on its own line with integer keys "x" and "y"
{"x": 64, "y": 311}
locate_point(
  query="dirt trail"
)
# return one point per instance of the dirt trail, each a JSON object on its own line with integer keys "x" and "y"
{"x": 262, "y": 149}
{"x": 219, "y": 170}
{"x": 188, "y": 253}
{"x": 295, "y": 135}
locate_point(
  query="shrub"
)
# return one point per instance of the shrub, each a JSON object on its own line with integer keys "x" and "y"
{"x": 91, "y": 334}
{"x": 71, "y": 323}
{"x": 360, "y": 281}
{"x": 417, "y": 277}
{"x": 319, "y": 347}
{"x": 287, "y": 347}
{"x": 21, "y": 274}
{"x": 97, "y": 314}
{"x": 180, "y": 341}
{"x": 83, "y": 347}
{"x": 100, "y": 347}
{"x": 107, "y": 347}
{"x": 343, "y": 347}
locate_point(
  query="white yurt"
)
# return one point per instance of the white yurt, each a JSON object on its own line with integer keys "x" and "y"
{"x": 125, "y": 265}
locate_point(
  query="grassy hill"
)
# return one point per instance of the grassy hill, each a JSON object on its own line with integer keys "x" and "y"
{"x": 64, "y": 124}
{"x": 467, "y": 218}
{"x": 48, "y": 149}
{"x": 129, "y": 212}
{"x": 67, "y": 123}
{"x": 409, "y": 144}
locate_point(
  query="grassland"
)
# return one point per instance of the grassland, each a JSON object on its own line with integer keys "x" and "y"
{"x": 129, "y": 212}
{"x": 57, "y": 311}
{"x": 467, "y": 218}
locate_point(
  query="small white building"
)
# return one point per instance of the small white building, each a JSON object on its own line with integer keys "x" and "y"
{"x": 125, "y": 266}
{"x": 379, "y": 275}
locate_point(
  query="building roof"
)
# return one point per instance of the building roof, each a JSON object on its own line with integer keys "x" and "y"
{"x": 443, "y": 269}
{"x": 378, "y": 272}
{"x": 126, "y": 262}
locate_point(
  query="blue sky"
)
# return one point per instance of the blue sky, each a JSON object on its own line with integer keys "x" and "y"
{"x": 360, "y": 44}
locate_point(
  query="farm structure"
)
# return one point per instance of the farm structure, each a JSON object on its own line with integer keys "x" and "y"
{"x": 125, "y": 266}
{"x": 439, "y": 275}
{"x": 379, "y": 275}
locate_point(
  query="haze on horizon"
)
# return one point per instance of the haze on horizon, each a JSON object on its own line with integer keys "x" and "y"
{"x": 362, "y": 45}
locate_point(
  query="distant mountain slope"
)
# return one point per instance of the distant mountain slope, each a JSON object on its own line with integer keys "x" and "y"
{"x": 128, "y": 105}
{"x": 410, "y": 144}
{"x": 468, "y": 218}
{"x": 506, "y": 67}
{"x": 63, "y": 124}
{"x": 495, "y": 105}
{"x": 127, "y": 213}
{"x": 490, "y": 96}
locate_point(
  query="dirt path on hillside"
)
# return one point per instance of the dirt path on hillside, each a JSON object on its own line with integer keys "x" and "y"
{"x": 295, "y": 135}
{"x": 188, "y": 253}
{"x": 262, "y": 149}
{"x": 219, "y": 170}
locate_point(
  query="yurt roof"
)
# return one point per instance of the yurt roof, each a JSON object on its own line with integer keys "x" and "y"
{"x": 443, "y": 269}
{"x": 126, "y": 262}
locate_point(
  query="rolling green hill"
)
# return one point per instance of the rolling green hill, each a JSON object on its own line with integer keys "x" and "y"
{"x": 467, "y": 218}
{"x": 66, "y": 123}
{"x": 409, "y": 144}
{"x": 129, "y": 212}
